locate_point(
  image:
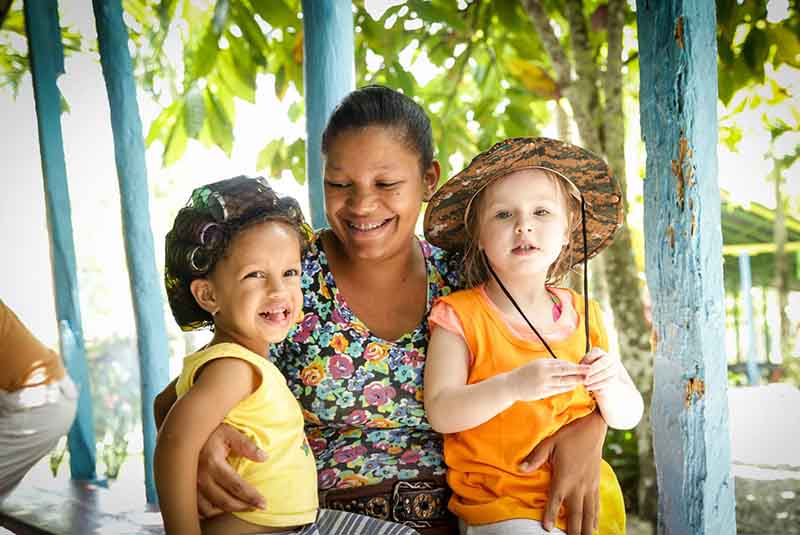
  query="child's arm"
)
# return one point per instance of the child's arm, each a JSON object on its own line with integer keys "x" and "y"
{"x": 619, "y": 400}
{"x": 452, "y": 405}
{"x": 221, "y": 385}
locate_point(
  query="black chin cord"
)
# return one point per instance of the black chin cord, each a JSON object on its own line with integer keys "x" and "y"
{"x": 513, "y": 302}
{"x": 585, "y": 287}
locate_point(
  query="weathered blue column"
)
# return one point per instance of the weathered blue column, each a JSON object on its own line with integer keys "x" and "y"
{"x": 328, "y": 57}
{"x": 47, "y": 63}
{"x": 683, "y": 242}
{"x": 112, "y": 37}
{"x": 749, "y": 320}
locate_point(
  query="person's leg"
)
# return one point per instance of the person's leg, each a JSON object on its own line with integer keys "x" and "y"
{"x": 332, "y": 522}
{"x": 517, "y": 526}
{"x": 31, "y": 422}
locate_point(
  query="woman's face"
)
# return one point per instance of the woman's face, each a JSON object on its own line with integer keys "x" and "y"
{"x": 374, "y": 191}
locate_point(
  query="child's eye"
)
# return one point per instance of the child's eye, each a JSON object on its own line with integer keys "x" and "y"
{"x": 291, "y": 273}
{"x": 503, "y": 214}
{"x": 387, "y": 185}
{"x": 541, "y": 211}
{"x": 336, "y": 185}
{"x": 256, "y": 275}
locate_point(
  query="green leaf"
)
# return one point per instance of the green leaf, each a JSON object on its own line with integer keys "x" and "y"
{"x": 204, "y": 57}
{"x": 268, "y": 153}
{"x": 251, "y": 32}
{"x": 755, "y": 50}
{"x": 159, "y": 124}
{"x": 219, "y": 123}
{"x": 296, "y": 110}
{"x": 787, "y": 45}
{"x": 193, "y": 112}
{"x": 230, "y": 76}
{"x": 276, "y": 13}
{"x": 175, "y": 144}
{"x": 430, "y": 12}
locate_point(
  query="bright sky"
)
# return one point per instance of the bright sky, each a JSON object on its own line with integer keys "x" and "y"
{"x": 25, "y": 276}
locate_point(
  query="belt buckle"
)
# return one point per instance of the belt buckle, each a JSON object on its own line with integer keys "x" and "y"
{"x": 416, "y": 510}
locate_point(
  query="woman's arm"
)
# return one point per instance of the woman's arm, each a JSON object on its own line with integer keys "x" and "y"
{"x": 452, "y": 405}
{"x": 617, "y": 397}
{"x": 221, "y": 385}
{"x": 574, "y": 453}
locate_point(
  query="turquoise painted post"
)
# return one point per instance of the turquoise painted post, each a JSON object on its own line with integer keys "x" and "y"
{"x": 328, "y": 57}
{"x": 47, "y": 63}
{"x": 683, "y": 253}
{"x": 112, "y": 37}
{"x": 749, "y": 319}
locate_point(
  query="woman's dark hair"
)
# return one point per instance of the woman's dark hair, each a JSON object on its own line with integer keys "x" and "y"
{"x": 203, "y": 231}
{"x": 377, "y": 105}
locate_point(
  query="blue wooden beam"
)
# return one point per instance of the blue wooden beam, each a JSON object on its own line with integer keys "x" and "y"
{"x": 47, "y": 63}
{"x": 112, "y": 37}
{"x": 683, "y": 252}
{"x": 328, "y": 58}
{"x": 746, "y": 283}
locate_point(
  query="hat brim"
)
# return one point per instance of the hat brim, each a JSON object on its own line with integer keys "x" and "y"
{"x": 445, "y": 216}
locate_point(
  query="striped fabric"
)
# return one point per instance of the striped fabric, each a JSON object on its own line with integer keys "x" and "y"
{"x": 330, "y": 522}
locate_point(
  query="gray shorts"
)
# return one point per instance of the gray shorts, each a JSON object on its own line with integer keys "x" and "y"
{"x": 517, "y": 526}
{"x": 31, "y": 422}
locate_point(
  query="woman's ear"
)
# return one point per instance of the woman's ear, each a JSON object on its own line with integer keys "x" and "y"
{"x": 203, "y": 292}
{"x": 431, "y": 179}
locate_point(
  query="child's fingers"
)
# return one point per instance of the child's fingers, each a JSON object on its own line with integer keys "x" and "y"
{"x": 601, "y": 384}
{"x": 592, "y": 356}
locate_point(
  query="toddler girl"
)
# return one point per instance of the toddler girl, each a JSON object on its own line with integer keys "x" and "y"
{"x": 508, "y": 362}
{"x": 233, "y": 264}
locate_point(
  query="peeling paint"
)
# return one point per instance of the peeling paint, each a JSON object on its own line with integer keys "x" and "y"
{"x": 679, "y": 31}
{"x": 671, "y": 236}
{"x": 683, "y": 170}
{"x": 694, "y": 224}
{"x": 694, "y": 386}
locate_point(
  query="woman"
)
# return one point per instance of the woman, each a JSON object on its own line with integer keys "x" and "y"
{"x": 355, "y": 363}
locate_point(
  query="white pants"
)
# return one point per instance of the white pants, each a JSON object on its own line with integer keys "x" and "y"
{"x": 31, "y": 422}
{"x": 517, "y": 526}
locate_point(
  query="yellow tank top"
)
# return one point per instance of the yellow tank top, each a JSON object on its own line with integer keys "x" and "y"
{"x": 272, "y": 418}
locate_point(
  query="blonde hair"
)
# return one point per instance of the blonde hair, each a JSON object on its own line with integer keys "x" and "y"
{"x": 475, "y": 270}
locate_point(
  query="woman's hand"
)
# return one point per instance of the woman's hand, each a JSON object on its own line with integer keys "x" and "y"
{"x": 574, "y": 453}
{"x": 545, "y": 377}
{"x": 219, "y": 488}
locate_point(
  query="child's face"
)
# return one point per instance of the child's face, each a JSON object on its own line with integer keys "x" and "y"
{"x": 523, "y": 223}
{"x": 374, "y": 191}
{"x": 256, "y": 286}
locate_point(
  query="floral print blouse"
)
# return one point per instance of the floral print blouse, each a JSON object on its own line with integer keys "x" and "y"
{"x": 362, "y": 395}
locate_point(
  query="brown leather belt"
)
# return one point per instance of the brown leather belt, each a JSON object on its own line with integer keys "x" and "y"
{"x": 419, "y": 504}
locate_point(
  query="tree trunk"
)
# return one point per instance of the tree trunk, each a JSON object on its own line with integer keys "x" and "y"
{"x": 781, "y": 264}
{"x": 607, "y": 137}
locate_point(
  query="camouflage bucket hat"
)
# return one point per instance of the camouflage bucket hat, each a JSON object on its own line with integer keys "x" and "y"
{"x": 446, "y": 214}
{"x": 204, "y": 228}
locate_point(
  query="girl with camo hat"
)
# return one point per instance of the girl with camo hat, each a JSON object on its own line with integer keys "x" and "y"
{"x": 233, "y": 264}
{"x": 508, "y": 362}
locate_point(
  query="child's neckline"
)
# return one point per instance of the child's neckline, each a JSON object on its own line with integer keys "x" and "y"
{"x": 563, "y": 327}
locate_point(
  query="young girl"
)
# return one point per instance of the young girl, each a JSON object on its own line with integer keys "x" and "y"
{"x": 515, "y": 358}
{"x": 233, "y": 263}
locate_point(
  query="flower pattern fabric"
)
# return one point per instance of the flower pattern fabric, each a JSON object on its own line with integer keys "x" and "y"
{"x": 362, "y": 395}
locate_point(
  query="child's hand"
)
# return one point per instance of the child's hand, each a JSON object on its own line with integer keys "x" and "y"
{"x": 546, "y": 377}
{"x": 604, "y": 371}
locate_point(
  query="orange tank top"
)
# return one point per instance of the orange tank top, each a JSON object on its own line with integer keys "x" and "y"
{"x": 483, "y": 461}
